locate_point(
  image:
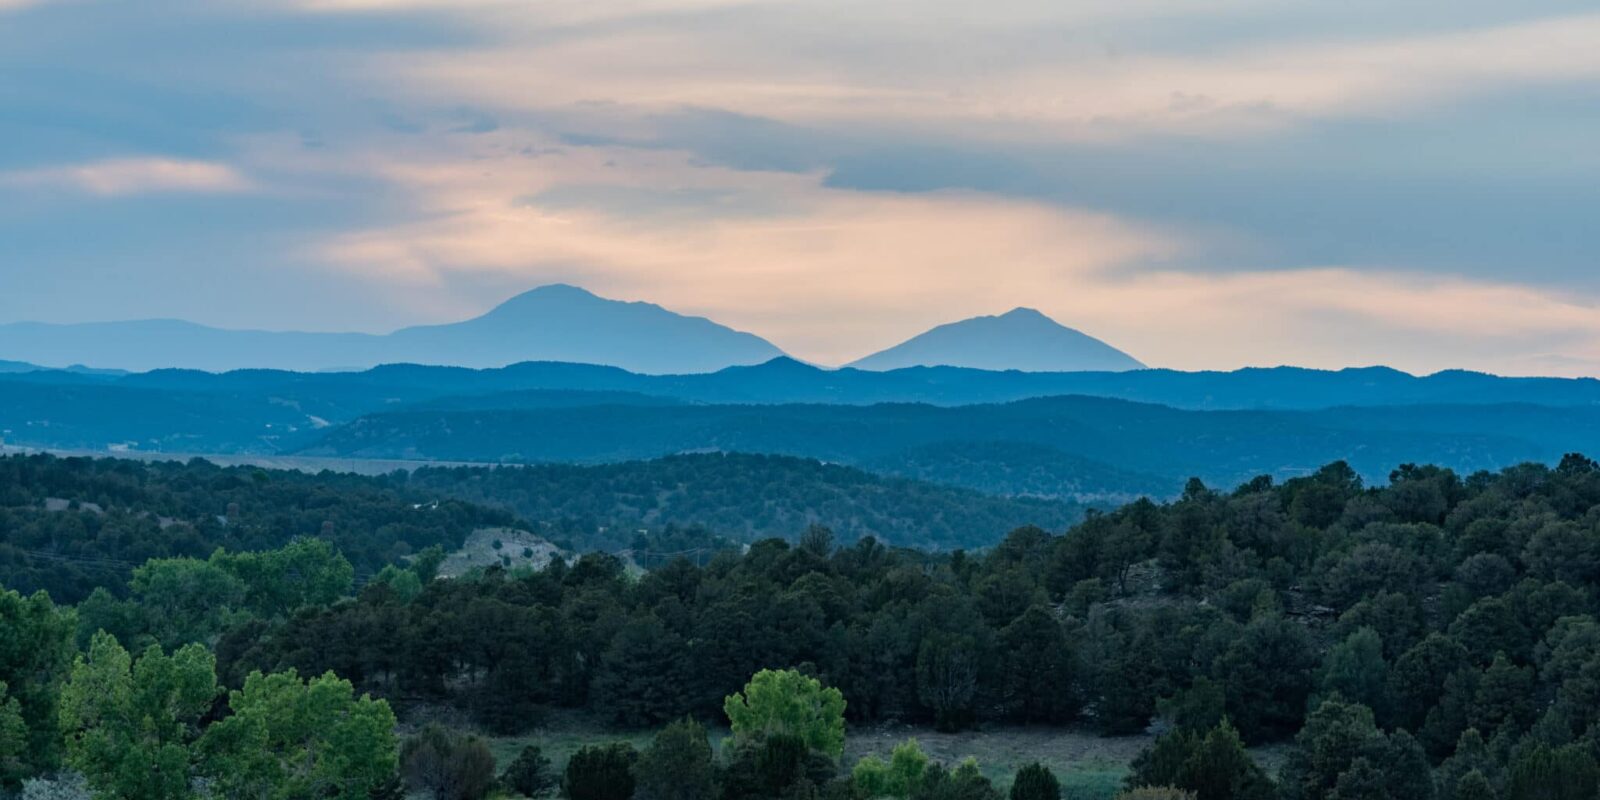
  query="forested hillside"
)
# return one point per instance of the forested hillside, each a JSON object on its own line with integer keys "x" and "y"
{"x": 784, "y": 380}
{"x": 1434, "y": 636}
{"x": 1437, "y": 626}
{"x": 269, "y": 411}
{"x": 72, "y": 524}
{"x": 1079, "y": 448}
{"x": 1100, "y": 441}
{"x": 1024, "y": 469}
{"x": 744, "y": 497}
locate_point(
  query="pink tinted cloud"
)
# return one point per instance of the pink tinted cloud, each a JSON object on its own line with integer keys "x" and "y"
{"x": 133, "y": 176}
{"x": 832, "y": 274}
{"x": 787, "y": 63}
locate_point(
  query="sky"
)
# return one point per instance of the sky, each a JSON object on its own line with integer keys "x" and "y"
{"x": 1204, "y": 185}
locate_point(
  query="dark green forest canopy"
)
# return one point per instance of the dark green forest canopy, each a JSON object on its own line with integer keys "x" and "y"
{"x": 1088, "y": 437}
{"x": 1432, "y": 636}
{"x": 744, "y": 497}
{"x": 1420, "y": 599}
{"x": 68, "y": 525}
{"x": 1085, "y": 447}
{"x": 72, "y": 524}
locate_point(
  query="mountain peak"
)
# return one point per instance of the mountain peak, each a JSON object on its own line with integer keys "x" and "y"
{"x": 562, "y": 322}
{"x": 547, "y": 294}
{"x": 1025, "y": 313}
{"x": 558, "y": 322}
{"x": 1020, "y": 339}
{"x": 783, "y": 364}
{"x": 557, "y": 290}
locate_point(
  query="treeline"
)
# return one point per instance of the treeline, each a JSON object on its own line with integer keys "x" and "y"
{"x": 745, "y": 497}
{"x": 1435, "y": 637}
{"x": 1444, "y": 618}
{"x": 71, "y": 525}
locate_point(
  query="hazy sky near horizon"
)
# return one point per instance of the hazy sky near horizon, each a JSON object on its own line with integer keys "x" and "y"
{"x": 1205, "y": 185}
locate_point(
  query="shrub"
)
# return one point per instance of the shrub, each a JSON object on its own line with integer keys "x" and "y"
{"x": 677, "y": 766}
{"x": 1035, "y": 782}
{"x": 448, "y": 765}
{"x": 529, "y": 773}
{"x": 600, "y": 772}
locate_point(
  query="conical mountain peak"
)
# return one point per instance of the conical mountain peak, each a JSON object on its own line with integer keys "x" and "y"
{"x": 1020, "y": 339}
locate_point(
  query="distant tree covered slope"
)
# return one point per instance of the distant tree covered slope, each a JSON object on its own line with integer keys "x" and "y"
{"x": 1024, "y": 469}
{"x": 1416, "y": 621}
{"x": 748, "y": 497}
{"x": 1222, "y": 447}
{"x": 68, "y": 525}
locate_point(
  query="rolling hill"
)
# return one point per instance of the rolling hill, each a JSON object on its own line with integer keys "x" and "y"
{"x": 1221, "y": 426}
{"x": 745, "y": 497}
{"x": 1098, "y": 443}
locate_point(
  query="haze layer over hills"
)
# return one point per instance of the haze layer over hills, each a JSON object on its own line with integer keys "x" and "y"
{"x": 1080, "y": 436}
{"x": 551, "y": 323}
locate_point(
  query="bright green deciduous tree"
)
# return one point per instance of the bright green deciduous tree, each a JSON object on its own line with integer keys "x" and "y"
{"x": 785, "y": 702}
{"x": 129, "y": 725}
{"x": 36, "y": 648}
{"x": 304, "y": 572}
{"x": 965, "y": 782}
{"x": 185, "y": 600}
{"x": 900, "y": 777}
{"x": 289, "y": 738}
{"x": 13, "y": 739}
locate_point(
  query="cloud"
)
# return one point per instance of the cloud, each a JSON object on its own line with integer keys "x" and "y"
{"x": 1333, "y": 317}
{"x": 132, "y": 176}
{"x": 783, "y": 63}
{"x": 545, "y": 12}
{"x": 832, "y": 274}
{"x": 1204, "y": 184}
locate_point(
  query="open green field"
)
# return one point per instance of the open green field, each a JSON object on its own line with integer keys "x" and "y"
{"x": 1091, "y": 767}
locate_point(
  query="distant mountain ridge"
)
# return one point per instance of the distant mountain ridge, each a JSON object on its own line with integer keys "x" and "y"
{"x": 21, "y": 367}
{"x": 1075, "y": 447}
{"x": 1075, "y": 439}
{"x": 551, "y": 323}
{"x": 1020, "y": 339}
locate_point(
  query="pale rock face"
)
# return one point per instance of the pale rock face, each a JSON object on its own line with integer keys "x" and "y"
{"x": 518, "y": 548}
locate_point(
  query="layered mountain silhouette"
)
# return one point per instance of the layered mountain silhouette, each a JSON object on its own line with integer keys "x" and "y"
{"x": 1020, "y": 339}
{"x": 552, "y": 323}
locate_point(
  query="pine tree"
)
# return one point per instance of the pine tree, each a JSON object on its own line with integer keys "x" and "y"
{"x": 1035, "y": 782}
{"x": 677, "y": 765}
